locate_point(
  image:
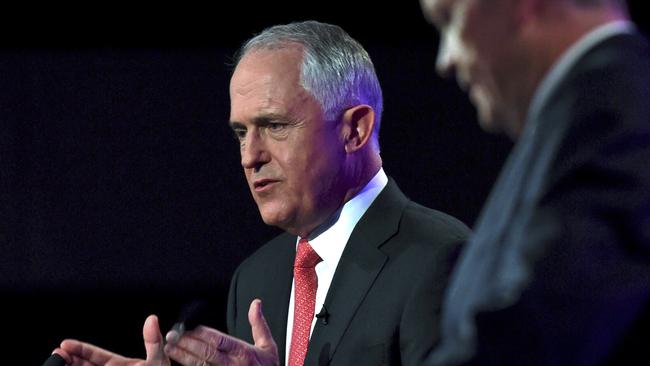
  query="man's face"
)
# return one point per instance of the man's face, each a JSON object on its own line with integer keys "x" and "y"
{"x": 292, "y": 158}
{"x": 476, "y": 43}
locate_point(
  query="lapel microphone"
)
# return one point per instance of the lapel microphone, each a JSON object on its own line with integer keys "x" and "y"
{"x": 323, "y": 315}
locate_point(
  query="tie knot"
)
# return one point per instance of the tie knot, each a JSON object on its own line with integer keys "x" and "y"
{"x": 306, "y": 257}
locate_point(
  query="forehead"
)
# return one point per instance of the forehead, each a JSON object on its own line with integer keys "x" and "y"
{"x": 267, "y": 82}
{"x": 265, "y": 75}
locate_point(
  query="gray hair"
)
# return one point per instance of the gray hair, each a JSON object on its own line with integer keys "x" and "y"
{"x": 595, "y": 3}
{"x": 335, "y": 68}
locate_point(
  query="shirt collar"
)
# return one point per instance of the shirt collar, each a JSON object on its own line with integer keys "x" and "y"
{"x": 331, "y": 241}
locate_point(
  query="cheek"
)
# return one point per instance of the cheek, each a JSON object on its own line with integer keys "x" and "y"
{"x": 297, "y": 161}
{"x": 311, "y": 162}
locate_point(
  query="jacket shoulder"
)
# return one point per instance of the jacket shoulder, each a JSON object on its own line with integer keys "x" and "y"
{"x": 423, "y": 221}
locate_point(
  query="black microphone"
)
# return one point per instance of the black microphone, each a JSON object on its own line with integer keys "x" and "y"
{"x": 54, "y": 360}
{"x": 323, "y": 315}
{"x": 191, "y": 315}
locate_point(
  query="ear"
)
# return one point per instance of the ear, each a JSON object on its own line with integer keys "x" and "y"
{"x": 358, "y": 123}
{"x": 528, "y": 11}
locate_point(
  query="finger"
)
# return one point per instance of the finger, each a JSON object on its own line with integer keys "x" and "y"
{"x": 208, "y": 336}
{"x": 194, "y": 352}
{"x": 89, "y": 352}
{"x": 153, "y": 343}
{"x": 261, "y": 333}
{"x": 76, "y": 361}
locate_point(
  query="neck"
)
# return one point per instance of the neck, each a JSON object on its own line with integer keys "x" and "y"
{"x": 361, "y": 172}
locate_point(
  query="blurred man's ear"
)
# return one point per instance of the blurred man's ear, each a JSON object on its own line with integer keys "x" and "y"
{"x": 527, "y": 11}
{"x": 358, "y": 124}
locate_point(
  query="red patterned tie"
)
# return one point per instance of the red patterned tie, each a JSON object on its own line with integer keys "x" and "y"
{"x": 306, "y": 283}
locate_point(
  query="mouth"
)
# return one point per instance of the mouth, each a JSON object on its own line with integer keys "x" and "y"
{"x": 262, "y": 185}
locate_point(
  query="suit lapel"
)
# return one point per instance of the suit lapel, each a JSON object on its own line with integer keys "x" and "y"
{"x": 276, "y": 303}
{"x": 357, "y": 270}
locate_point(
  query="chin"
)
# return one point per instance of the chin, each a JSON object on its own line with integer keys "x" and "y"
{"x": 491, "y": 121}
{"x": 499, "y": 124}
{"x": 270, "y": 220}
{"x": 276, "y": 219}
{"x": 486, "y": 121}
{"x": 488, "y": 126}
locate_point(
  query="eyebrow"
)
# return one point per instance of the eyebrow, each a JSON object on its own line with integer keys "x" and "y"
{"x": 261, "y": 120}
{"x": 236, "y": 125}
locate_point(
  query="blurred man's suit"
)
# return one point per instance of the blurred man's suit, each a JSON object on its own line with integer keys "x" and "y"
{"x": 559, "y": 267}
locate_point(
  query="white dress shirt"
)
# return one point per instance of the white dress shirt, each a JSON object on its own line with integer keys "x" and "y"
{"x": 329, "y": 244}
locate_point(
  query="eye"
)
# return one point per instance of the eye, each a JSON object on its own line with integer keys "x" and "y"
{"x": 275, "y": 126}
{"x": 277, "y": 130}
{"x": 239, "y": 133}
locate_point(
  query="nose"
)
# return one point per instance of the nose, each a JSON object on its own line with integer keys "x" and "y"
{"x": 253, "y": 151}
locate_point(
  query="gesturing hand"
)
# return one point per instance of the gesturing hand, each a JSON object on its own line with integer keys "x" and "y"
{"x": 206, "y": 346}
{"x": 78, "y": 353}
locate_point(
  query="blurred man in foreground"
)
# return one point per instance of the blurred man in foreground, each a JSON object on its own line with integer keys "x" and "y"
{"x": 558, "y": 270}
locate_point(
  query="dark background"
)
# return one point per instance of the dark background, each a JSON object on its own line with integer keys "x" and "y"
{"x": 121, "y": 192}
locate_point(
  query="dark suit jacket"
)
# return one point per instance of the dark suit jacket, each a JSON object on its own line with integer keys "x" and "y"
{"x": 558, "y": 272}
{"x": 385, "y": 295}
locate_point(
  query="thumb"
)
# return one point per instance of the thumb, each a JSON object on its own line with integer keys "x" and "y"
{"x": 261, "y": 333}
{"x": 153, "y": 342}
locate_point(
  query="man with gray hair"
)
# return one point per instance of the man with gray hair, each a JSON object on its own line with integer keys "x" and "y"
{"x": 558, "y": 270}
{"x": 357, "y": 275}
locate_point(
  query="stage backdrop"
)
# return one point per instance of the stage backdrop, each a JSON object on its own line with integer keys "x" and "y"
{"x": 121, "y": 192}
